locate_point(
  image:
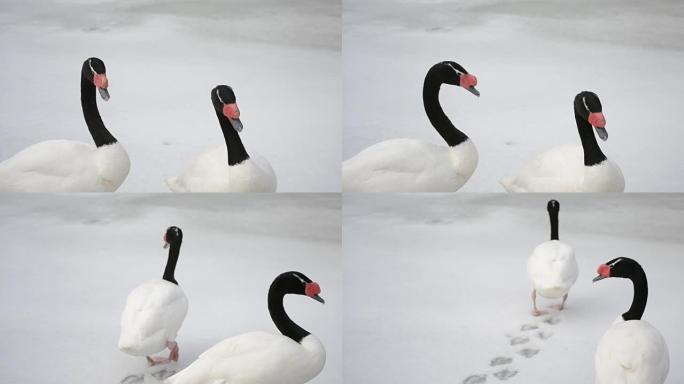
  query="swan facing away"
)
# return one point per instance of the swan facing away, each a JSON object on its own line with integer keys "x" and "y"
{"x": 228, "y": 168}
{"x": 155, "y": 311}
{"x": 293, "y": 357}
{"x": 552, "y": 267}
{"x": 409, "y": 165}
{"x": 631, "y": 351}
{"x": 572, "y": 168}
{"x": 72, "y": 166}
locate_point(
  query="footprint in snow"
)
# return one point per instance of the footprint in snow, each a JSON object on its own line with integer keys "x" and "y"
{"x": 505, "y": 374}
{"x": 500, "y": 360}
{"x": 552, "y": 320}
{"x": 163, "y": 374}
{"x": 519, "y": 340}
{"x": 475, "y": 379}
{"x": 132, "y": 379}
{"x": 528, "y": 352}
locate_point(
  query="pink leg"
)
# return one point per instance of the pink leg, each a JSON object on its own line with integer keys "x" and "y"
{"x": 561, "y": 306}
{"x": 173, "y": 346}
{"x": 173, "y": 355}
{"x": 535, "y": 310}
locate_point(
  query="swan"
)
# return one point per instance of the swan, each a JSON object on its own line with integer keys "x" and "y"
{"x": 552, "y": 266}
{"x": 71, "y": 166}
{"x": 560, "y": 169}
{"x": 293, "y": 357}
{"x": 632, "y": 351}
{"x": 155, "y": 310}
{"x": 409, "y": 165}
{"x": 210, "y": 172}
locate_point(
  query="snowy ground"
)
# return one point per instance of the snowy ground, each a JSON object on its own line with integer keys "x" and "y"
{"x": 68, "y": 263}
{"x": 531, "y": 58}
{"x": 163, "y": 58}
{"x": 438, "y": 285}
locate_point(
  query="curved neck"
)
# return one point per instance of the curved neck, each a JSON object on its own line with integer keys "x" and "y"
{"x": 283, "y": 322}
{"x": 97, "y": 129}
{"x": 174, "y": 250}
{"x": 553, "y": 218}
{"x": 592, "y": 151}
{"x": 236, "y": 150}
{"x": 433, "y": 109}
{"x": 640, "y": 296}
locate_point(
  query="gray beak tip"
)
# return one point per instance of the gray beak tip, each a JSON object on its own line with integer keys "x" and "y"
{"x": 319, "y": 299}
{"x": 474, "y": 91}
{"x": 602, "y": 133}
{"x": 597, "y": 278}
{"x": 104, "y": 93}
{"x": 237, "y": 124}
{"x": 166, "y": 245}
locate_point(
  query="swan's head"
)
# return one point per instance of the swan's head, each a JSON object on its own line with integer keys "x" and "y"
{"x": 619, "y": 267}
{"x": 224, "y": 102}
{"x": 173, "y": 235}
{"x": 453, "y": 73}
{"x": 298, "y": 284}
{"x": 94, "y": 70}
{"x": 588, "y": 106}
{"x": 553, "y": 206}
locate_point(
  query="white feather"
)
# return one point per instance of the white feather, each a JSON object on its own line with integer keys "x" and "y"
{"x": 65, "y": 166}
{"x": 562, "y": 169}
{"x": 209, "y": 172}
{"x": 409, "y": 165}
{"x": 631, "y": 352}
{"x": 256, "y": 358}
{"x": 552, "y": 268}
{"x": 153, "y": 315}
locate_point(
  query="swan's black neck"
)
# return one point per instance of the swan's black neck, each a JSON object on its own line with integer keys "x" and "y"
{"x": 434, "y": 111}
{"x": 592, "y": 152}
{"x": 281, "y": 320}
{"x": 236, "y": 150}
{"x": 174, "y": 250}
{"x": 640, "y": 296}
{"x": 97, "y": 129}
{"x": 553, "y": 218}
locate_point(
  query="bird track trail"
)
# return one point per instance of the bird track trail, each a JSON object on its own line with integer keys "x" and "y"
{"x": 523, "y": 343}
{"x": 148, "y": 377}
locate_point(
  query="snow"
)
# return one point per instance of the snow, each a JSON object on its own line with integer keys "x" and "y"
{"x": 439, "y": 288}
{"x": 163, "y": 58}
{"x": 69, "y": 261}
{"x": 531, "y": 59}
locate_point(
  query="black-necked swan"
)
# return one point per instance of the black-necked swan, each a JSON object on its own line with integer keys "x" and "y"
{"x": 229, "y": 168}
{"x": 155, "y": 310}
{"x": 631, "y": 351}
{"x": 409, "y": 165}
{"x": 552, "y": 266}
{"x": 572, "y": 168}
{"x": 72, "y": 166}
{"x": 293, "y": 357}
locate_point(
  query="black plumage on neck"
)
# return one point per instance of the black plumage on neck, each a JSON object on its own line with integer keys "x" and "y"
{"x": 439, "y": 120}
{"x": 236, "y": 150}
{"x": 97, "y": 129}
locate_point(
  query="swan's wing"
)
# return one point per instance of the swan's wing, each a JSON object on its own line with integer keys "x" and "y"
{"x": 48, "y": 163}
{"x": 399, "y": 165}
{"x": 558, "y": 169}
{"x": 153, "y": 314}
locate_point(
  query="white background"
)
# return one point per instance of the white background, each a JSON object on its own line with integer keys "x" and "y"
{"x": 531, "y": 59}
{"x": 68, "y": 263}
{"x": 438, "y": 283}
{"x": 282, "y": 58}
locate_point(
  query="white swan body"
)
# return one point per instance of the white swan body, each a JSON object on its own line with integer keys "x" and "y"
{"x": 553, "y": 269}
{"x": 631, "y": 352}
{"x": 562, "y": 169}
{"x": 256, "y": 358}
{"x": 65, "y": 166}
{"x": 409, "y": 165}
{"x": 153, "y": 315}
{"x": 210, "y": 172}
